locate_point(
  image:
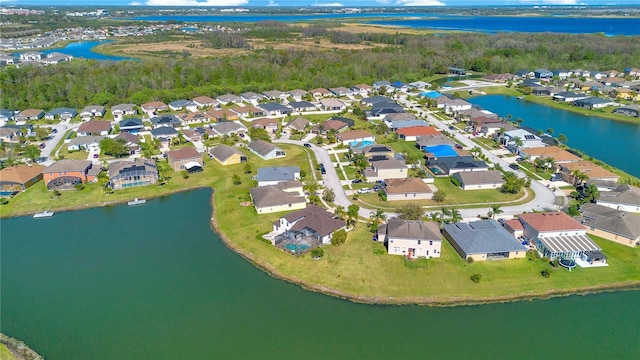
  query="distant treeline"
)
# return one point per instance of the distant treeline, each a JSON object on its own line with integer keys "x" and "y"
{"x": 410, "y": 58}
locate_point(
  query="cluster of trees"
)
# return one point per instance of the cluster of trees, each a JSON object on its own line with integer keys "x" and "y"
{"x": 224, "y": 40}
{"x": 415, "y": 57}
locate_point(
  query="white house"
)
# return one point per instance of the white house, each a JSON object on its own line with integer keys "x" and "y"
{"x": 413, "y": 239}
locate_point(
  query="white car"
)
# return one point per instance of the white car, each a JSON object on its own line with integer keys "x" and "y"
{"x": 364, "y": 190}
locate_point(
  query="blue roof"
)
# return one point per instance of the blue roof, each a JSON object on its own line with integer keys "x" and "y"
{"x": 273, "y": 106}
{"x": 483, "y": 236}
{"x": 441, "y": 150}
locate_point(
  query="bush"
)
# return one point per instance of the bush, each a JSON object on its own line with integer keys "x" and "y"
{"x": 470, "y": 260}
{"x": 317, "y": 253}
{"x": 455, "y": 181}
{"x": 545, "y": 273}
{"x": 185, "y": 174}
{"x": 476, "y": 278}
{"x": 339, "y": 237}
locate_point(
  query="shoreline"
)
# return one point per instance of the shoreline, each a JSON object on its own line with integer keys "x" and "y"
{"x": 390, "y": 300}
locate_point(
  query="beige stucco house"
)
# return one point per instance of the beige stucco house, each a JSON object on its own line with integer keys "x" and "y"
{"x": 412, "y": 239}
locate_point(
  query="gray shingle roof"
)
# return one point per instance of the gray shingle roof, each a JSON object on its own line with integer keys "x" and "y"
{"x": 407, "y": 229}
{"x": 223, "y": 152}
{"x": 272, "y": 195}
{"x": 483, "y": 236}
{"x": 262, "y": 147}
{"x": 611, "y": 220}
{"x": 278, "y": 173}
{"x": 68, "y": 165}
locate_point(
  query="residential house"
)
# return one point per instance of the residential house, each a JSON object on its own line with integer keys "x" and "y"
{"x": 227, "y": 155}
{"x": 302, "y": 106}
{"x": 224, "y": 114}
{"x": 593, "y": 103}
{"x": 319, "y": 93}
{"x": 374, "y": 152}
{"x": 356, "y": 136}
{"x": 561, "y": 73}
{"x": 525, "y": 74}
{"x": 167, "y": 120}
{"x": 379, "y": 109}
{"x": 298, "y": 124}
{"x": 228, "y": 128}
{"x": 30, "y": 56}
{"x": 396, "y": 125}
{"x": 631, "y": 71}
{"x": 593, "y": 171}
{"x": 132, "y": 142}
{"x": 542, "y": 74}
{"x": 313, "y": 223}
{"x": 297, "y": 94}
{"x": 122, "y": 110}
{"x": 18, "y": 178}
{"x": 557, "y": 235}
{"x": 65, "y": 174}
{"x": 568, "y": 96}
{"x": 61, "y": 113}
{"x": 483, "y": 240}
{"x": 454, "y": 105}
{"x": 89, "y": 142}
{"x": 479, "y": 180}
{"x": 192, "y": 135}
{"x": 132, "y": 173}
{"x": 341, "y": 91}
{"x": 621, "y": 93}
{"x": 454, "y": 164}
{"x": 154, "y": 107}
{"x": 407, "y": 189}
{"x": 164, "y": 133}
{"x": 248, "y": 111}
{"x": 204, "y": 101}
{"x": 270, "y": 125}
{"x": 386, "y": 169}
{"x": 382, "y": 85}
{"x": 94, "y": 127}
{"x": 362, "y": 89}
{"x": 400, "y": 86}
{"x": 275, "y": 174}
{"x": 413, "y": 239}
{"x": 625, "y": 197}
{"x": 400, "y": 116}
{"x": 615, "y": 225}
{"x": 266, "y": 150}
{"x": 541, "y": 91}
{"x": 252, "y": 97}
{"x": 528, "y": 140}
{"x": 29, "y": 114}
{"x": 283, "y": 196}
{"x": 6, "y": 115}
{"x": 411, "y": 133}
{"x": 92, "y": 111}
{"x": 514, "y": 227}
{"x": 335, "y": 125}
{"x": 559, "y": 155}
{"x": 332, "y": 105}
{"x": 418, "y": 85}
{"x": 426, "y": 141}
{"x": 229, "y": 99}
{"x": 370, "y": 101}
{"x": 195, "y": 117}
{"x": 131, "y": 125}
{"x": 492, "y": 129}
{"x": 275, "y": 95}
{"x": 181, "y": 104}
{"x": 186, "y": 158}
{"x": 629, "y": 110}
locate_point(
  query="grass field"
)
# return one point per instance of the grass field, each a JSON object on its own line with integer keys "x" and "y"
{"x": 5, "y": 354}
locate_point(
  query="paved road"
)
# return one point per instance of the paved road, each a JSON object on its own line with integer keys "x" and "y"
{"x": 51, "y": 143}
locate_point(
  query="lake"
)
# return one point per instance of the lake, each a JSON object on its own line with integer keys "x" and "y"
{"x": 84, "y": 49}
{"x": 488, "y": 24}
{"x": 614, "y": 142}
{"x": 155, "y": 282}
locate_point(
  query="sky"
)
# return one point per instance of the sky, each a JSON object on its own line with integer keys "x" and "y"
{"x": 298, "y": 3}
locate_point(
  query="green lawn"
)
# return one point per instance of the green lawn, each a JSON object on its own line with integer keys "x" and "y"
{"x": 5, "y": 354}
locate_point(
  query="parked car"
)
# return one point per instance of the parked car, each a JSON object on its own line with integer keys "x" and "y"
{"x": 451, "y": 127}
{"x": 307, "y": 145}
{"x": 95, "y": 156}
{"x": 458, "y": 146}
{"x": 323, "y": 171}
{"x": 515, "y": 166}
{"x": 356, "y": 181}
{"x": 55, "y": 131}
{"x": 364, "y": 190}
{"x": 520, "y": 159}
{"x": 43, "y": 145}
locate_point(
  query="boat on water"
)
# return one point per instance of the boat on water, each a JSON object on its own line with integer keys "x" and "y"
{"x": 136, "y": 201}
{"x": 520, "y": 97}
{"x": 44, "y": 214}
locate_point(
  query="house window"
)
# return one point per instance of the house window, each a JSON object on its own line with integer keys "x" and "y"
{"x": 430, "y": 242}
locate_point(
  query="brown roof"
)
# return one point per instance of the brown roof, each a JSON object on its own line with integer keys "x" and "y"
{"x": 418, "y": 131}
{"x": 354, "y": 134}
{"x": 322, "y": 91}
{"x": 515, "y": 224}
{"x": 333, "y": 125}
{"x": 273, "y": 195}
{"x": 298, "y": 123}
{"x": 264, "y": 122}
{"x": 221, "y": 114}
{"x": 94, "y": 126}
{"x": 31, "y": 112}
{"x": 204, "y": 100}
{"x": 247, "y": 109}
{"x": 551, "y": 221}
{"x": 183, "y": 154}
{"x": 195, "y": 116}
{"x": 153, "y": 105}
{"x": 315, "y": 218}
{"x": 408, "y": 185}
{"x": 20, "y": 173}
{"x": 592, "y": 170}
{"x": 553, "y": 152}
{"x": 409, "y": 229}
{"x": 128, "y": 137}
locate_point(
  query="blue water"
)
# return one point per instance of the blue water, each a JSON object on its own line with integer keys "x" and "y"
{"x": 493, "y": 24}
{"x": 488, "y": 24}
{"x": 84, "y": 49}
{"x": 614, "y": 142}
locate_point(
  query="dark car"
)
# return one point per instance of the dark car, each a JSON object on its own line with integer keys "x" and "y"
{"x": 356, "y": 181}
{"x": 452, "y": 127}
{"x": 514, "y": 166}
{"x": 458, "y": 146}
{"x": 307, "y": 145}
{"x": 43, "y": 145}
{"x": 322, "y": 169}
{"x": 55, "y": 131}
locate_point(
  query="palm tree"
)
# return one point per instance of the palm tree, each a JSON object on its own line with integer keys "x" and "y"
{"x": 550, "y": 131}
{"x": 445, "y": 212}
{"x": 591, "y": 192}
{"x": 340, "y": 212}
{"x": 562, "y": 138}
{"x": 578, "y": 177}
{"x": 378, "y": 216}
{"x": 495, "y": 209}
{"x": 455, "y": 215}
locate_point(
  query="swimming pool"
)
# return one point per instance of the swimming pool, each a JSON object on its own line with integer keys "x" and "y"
{"x": 441, "y": 150}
